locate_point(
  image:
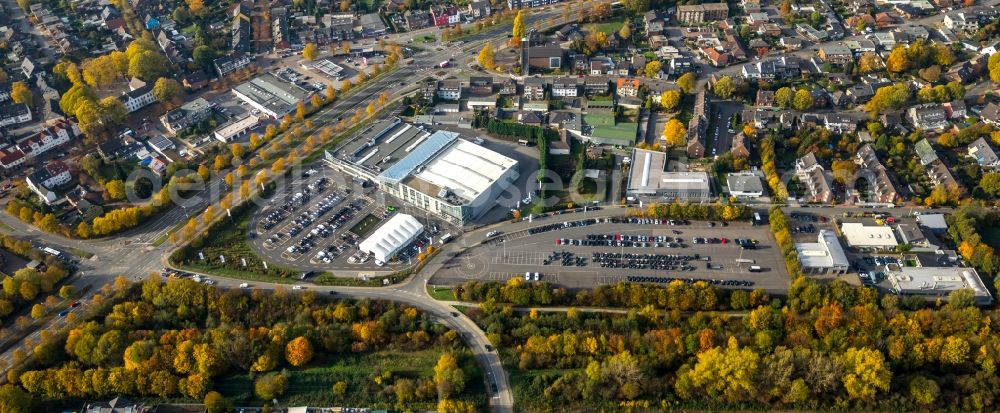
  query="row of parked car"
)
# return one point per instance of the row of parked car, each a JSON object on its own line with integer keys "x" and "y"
{"x": 567, "y": 259}
{"x": 668, "y": 262}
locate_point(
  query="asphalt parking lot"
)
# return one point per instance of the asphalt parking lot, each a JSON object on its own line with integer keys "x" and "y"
{"x": 310, "y": 224}
{"x": 576, "y": 265}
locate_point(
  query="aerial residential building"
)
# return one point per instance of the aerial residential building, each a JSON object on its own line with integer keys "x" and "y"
{"x": 883, "y": 190}
{"x": 139, "y": 97}
{"x": 817, "y": 182}
{"x": 925, "y": 152}
{"x": 231, "y": 63}
{"x": 479, "y": 9}
{"x": 242, "y": 40}
{"x": 627, "y": 87}
{"x": 836, "y": 54}
{"x": 928, "y": 116}
{"x": 698, "y": 126}
{"x": 545, "y": 57}
{"x": 187, "y": 115}
{"x": 14, "y": 114}
{"x": 450, "y": 89}
{"x": 44, "y": 181}
{"x": 565, "y": 87}
{"x": 534, "y": 88}
{"x": 700, "y": 13}
{"x": 983, "y": 153}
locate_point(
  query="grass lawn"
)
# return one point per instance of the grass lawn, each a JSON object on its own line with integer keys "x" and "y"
{"x": 80, "y": 253}
{"x": 232, "y": 243}
{"x": 189, "y": 31}
{"x": 611, "y": 26}
{"x": 605, "y": 128}
{"x": 366, "y": 225}
{"x": 441, "y": 293}
{"x": 312, "y": 385}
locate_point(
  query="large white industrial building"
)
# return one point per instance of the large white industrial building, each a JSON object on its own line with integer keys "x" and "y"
{"x": 938, "y": 282}
{"x": 438, "y": 172}
{"x": 392, "y": 237}
{"x": 825, "y": 256}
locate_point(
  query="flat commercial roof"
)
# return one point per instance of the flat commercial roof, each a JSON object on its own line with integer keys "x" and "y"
{"x": 466, "y": 169}
{"x": 383, "y": 144}
{"x": 273, "y": 93}
{"x": 938, "y": 281}
{"x": 392, "y": 236}
{"x": 419, "y": 155}
{"x": 648, "y": 174}
{"x": 827, "y": 253}
{"x": 861, "y": 235}
{"x": 237, "y": 127}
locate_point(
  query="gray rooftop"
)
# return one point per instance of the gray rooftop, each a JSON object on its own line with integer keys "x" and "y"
{"x": 380, "y": 145}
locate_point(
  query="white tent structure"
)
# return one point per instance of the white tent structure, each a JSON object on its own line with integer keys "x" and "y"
{"x": 392, "y": 236}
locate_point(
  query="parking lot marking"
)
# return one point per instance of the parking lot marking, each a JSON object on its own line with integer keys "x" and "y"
{"x": 518, "y": 258}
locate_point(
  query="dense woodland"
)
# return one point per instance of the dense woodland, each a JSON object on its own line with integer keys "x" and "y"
{"x": 826, "y": 347}
{"x": 181, "y": 340}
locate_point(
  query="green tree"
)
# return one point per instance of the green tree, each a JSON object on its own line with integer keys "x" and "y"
{"x": 487, "y": 57}
{"x": 147, "y": 65}
{"x": 670, "y": 99}
{"x": 518, "y": 30}
{"x": 652, "y": 68}
{"x": 270, "y": 386}
{"x": 724, "y": 87}
{"x": 216, "y": 403}
{"x": 15, "y": 400}
{"x": 865, "y": 373}
{"x": 204, "y": 56}
{"x": 166, "y": 89}
{"x": 888, "y": 97}
{"x": 727, "y": 374}
{"x": 67, "y": 292}
{"x": 38, "y": 311}
{"x": 449, "y": 378}
{"x": 674, "y": 133}
{"x": 990, "y": 183}
{"x": 116, "y": 189}
{"x": 687, "y": 83}
{"x": 626, "y": 31}
{"x": 783, "y": 97}
{"x": 925, "y": 391}
{"x": 310, "y": 51}
{"x": 20, "y": 93}
{"x": 803, "y": 100}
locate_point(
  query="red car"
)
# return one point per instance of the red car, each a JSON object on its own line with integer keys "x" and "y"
{"x": 725, "y": 240}
{"x": 75, "y": 304}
